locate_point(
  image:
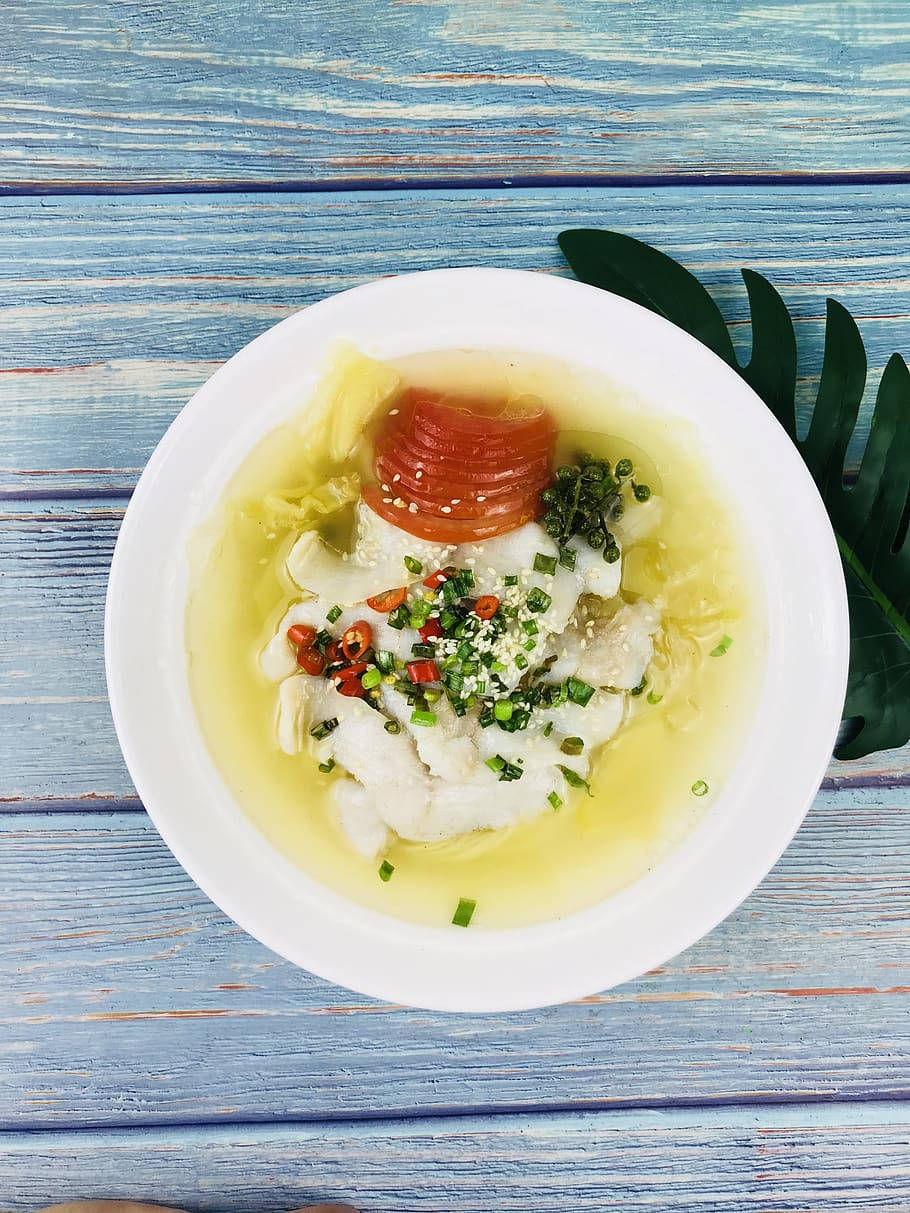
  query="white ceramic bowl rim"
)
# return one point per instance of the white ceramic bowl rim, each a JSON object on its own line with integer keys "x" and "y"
{"x": 446, "y": 968}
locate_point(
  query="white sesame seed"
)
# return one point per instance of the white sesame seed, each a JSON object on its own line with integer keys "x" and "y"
{"x": 481, "y": 498}
{"x": 418, "y": 474}
{"x": 412, "y": 507}
{"x": 386, "y": 489}
{"x": 393, "y": 412}
{"x": 446, "y": 509}
{"x": 396, "y": 477}
{"x": 456, "y": 501}
{"x": 387, "y": 500}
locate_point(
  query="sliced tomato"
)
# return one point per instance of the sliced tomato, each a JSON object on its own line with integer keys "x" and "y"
{"x": 467, "y": 469}
{"x": 388, "y": 600}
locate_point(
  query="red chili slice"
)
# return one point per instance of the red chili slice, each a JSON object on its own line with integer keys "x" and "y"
{"x": 486, "y": 606}
{"x": 388, "y": 600}
{"x": 351, "y": 688}
{"x": 333, "y": 652}
{"x": 435, "y": 580}
{"x": 349, "y": 671}
{"x": 301, "y": 635}
{"x": 431, "y": 629}
{"x": 310, "y": 660}
{"x": 467, "y": 468}
{"x": 356, "y": 639}
{"x": 423, "y": 671}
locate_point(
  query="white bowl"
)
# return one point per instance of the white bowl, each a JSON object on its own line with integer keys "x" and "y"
{"x": 764, "y": 799}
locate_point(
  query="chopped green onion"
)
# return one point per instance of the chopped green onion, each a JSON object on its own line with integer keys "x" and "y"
{"x": 465, "y": 649}
{"x": 567, "y": 558}
{"x": 579, "y": 692}
{"x": 572, "y": 745}
{"x": 699, "y": 788}
{"x": 652, "y": 698}
{"x": 521, "y": 662}
{"x": 466, "y": 577}
{"x": 385, "y": 871}
{"x": 544, "y": 564}
{"x": 529, "y": 646}
{"x": 371, "y": 678}
{"x": 385, "y": 660}
{"x": 454, "y": 681}
{"x": 449, "y": 618}
{"x": 503, "y": 709}
{"x": 497, "y": 667}
{"x": 426, "y": 719}
{"x": 487, "y": 717}
{"x": 529, "y": 626}
{"x": 510, "y": 772}
{"x": 322, "y": 730}
{"x": 423, "y": 650}
{"x": 333, "y": 614}
{"x": 459, "y": 706}
{"x": 431, "y": 694}
{"x": 419, "y": 610}
{"x": 510, "y": 579}
{"x": 450, "y": 591}
{"x": 464, "y": 912}
{"x": 323, "y": 639}
{"x": 496, "y": 763}
{"x": 392, "y": 726}
{"x": 573, "y": 779}
{"x": 400, "y": 618}
{"x": 548, "y": 728}
{"x": 327, "y": 767}
{"x": 555, "y": 800}
{"x": 413, "y": 565}
{"x": 636, "y": 691}
{"x": 538, "y": 600}
{"x": 722, "y": 646}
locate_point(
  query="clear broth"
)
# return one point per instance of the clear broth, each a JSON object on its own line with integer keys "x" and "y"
{"x": 694, "y": 567}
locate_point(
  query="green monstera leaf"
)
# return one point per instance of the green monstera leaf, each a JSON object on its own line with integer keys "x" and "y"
{"x": 869, "y": 512}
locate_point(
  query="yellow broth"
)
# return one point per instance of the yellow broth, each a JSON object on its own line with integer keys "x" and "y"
{"x": 693, "y": 567}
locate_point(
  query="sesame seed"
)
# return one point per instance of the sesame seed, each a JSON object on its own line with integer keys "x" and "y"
{"x": 386, "y": 489}
{"x": 446, "y": 509}
{"x": 456, "y": 501}
{"x": 480, "y": 497}
{"x": 418, "y": 474}
{"x": 396, "y": 477}
{"x": 393, "y": 412}
{"x": 412, "y": 507}
{"x": 387, "y": 500}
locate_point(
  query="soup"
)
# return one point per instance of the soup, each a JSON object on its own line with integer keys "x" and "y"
{"x": 535, "y": 823}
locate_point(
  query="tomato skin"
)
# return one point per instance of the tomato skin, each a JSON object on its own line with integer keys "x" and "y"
{"x": 423, "y": 671}
{"x": 301, "y": 635}
{"x": 430, "y": 630}
{"x": 310, "y": 660}
{"x": 466, "y": 468}
{"x": 356, "y": 639}
{"x": 388, "y": 600}
{"x": 486, "y": 606}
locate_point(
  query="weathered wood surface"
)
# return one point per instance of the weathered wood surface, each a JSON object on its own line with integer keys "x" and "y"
{"x": 117, "y": 91}
{"x": 128, "y": 998}
{"x": 789, "y": 1160}
{"x": 113, "y": 310}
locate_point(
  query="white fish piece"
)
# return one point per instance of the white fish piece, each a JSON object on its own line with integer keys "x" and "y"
{"x": 448, "y": 748}
{"x": 487, "y": 804}
{"x": 536, "y": 751}
{"x": 597, "y": 575}
{"x": 639, "y": 521}
{"x": 294, "y": 699}
{"x": 594, "y": 723}
{"x": 278, "y": 659}
{"x": 376, "y": 562}
{"x": 360, "y": 818}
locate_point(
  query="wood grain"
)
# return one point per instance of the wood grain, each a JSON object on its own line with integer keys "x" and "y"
{"x": 129, "y": 999}
{"x": 789, "y": 1160}
{"x": 113, "y": 310}
{"x": 118, "y": 91}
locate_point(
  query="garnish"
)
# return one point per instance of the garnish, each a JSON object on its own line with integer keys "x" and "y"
{"x": 486, "y": 606}
{"x": 572, "y": 746}
{"x": 371, "y": 678}
{"x": 356, "y": 639}
{"x": 385, "y": 871}
{"x": 392, "y": 726}
{"x": 321, "y": 731}
{"x": 423, "y": 671}
{"x": 400, "y": 618}
{"x": 652, "y": 698}
{"x": 327, "y": 767}
{"x": 302, "y": 635}
{"x": 699, "y": 788}
{"x": 538, "y": 601}
{"x": 424, "y": 718}
{"x": 579, "y": 692}
{"x": 464, "y": 912}
{"x": 333, "y": 614}
{"x": 567, "y": 558}
{"x": 721, "y": 647}
{"x": 636, "y": 691}
{"x": 385, "y": 661}
{"x": 413, "y": 565}
{"x": 585, "y": 497}
{"x": 388, "y": 600}
{"x": 574, "y": 780}
{"x": 868, "y": 516}
{"x": 555, "y": 800}
{"x": 544, "y": 564}
{"x": 311, "y": 661}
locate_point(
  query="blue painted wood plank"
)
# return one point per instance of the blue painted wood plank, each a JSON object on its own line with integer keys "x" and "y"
{"x": 119, "y": 91}
{"x": 128, "y": 998}
{"x": 845, "y": 1159}
{"x": 115, "y": 310}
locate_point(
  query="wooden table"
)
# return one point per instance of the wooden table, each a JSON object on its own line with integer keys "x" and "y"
{"x": 176, "y": 178}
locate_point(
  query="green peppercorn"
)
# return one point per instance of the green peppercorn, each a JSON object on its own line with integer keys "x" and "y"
{"x": 549, "y": 496}
{"x": 611, "y": 553}
{"x": 567, "y": 472}
{"x": 624, "y": 468}
{"x": 596, "y": 537}
{"x": 642, "y": 492}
